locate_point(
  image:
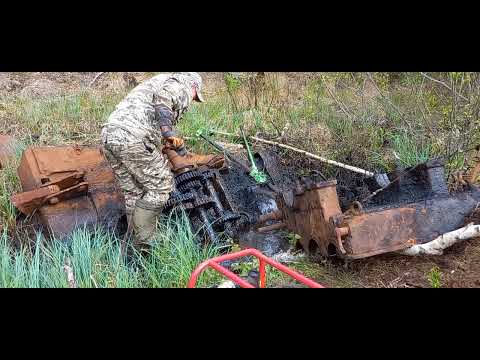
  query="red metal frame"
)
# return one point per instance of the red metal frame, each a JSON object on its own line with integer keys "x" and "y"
{"x": 263, "y": 260}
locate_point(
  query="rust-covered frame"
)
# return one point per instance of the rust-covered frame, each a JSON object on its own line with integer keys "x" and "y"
{"x": 312, "y": 210}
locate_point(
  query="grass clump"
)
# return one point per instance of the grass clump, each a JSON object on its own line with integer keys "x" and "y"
{"x": 98, "y": 261}
{"x": 435, "y": 277}
{"x": 175, "y": 255}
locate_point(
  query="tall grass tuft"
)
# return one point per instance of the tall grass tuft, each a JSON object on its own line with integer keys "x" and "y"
{"x": 175, "y": 255}
{"x": 97, "y": 260}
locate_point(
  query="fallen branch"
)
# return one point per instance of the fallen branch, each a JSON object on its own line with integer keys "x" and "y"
{"x": 436, "y": 247}
{"x": 70, "y": 276}
{"x": 340, "y": 104}
{"x": 95, "y": 78}
{"x": 444, "y": 85}
{"x": 316, "y": 157}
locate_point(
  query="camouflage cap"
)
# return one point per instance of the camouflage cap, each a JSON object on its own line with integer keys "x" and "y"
{"x": 193, "y": 79}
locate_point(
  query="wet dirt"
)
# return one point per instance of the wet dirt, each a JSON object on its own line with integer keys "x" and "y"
{"x": 248, "y": 197}
{"x": 459, "y": 266}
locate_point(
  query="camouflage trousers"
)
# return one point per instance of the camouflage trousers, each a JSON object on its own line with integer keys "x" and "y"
{"x": 140, "y": 168}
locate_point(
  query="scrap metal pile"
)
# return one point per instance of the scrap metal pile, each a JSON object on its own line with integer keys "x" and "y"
{"x": 69, "y": 186}
{"x": 203, "y": 195}
{"x": 415, "y": 210}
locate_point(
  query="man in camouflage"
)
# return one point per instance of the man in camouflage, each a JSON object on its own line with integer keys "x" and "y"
{"x": 132, "y": 139}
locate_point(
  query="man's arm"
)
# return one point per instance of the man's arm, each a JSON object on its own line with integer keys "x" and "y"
{"x": 172, "y": 97}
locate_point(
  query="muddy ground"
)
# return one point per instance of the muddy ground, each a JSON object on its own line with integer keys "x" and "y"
{"x": 458, "y": 267}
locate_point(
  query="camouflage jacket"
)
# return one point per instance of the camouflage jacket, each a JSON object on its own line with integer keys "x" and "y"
{"x": 136, "y": 113}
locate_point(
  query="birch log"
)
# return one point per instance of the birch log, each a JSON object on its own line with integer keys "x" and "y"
{"x": 436, "y": 247}
{"x": 313, "y": 156}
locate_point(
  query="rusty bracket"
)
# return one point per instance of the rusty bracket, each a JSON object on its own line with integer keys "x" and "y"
{"x": 67, "y": 194}
{"x": 65, "y": 188}
{"x": 27, "y": 202}
{"x": 67, "y": 181}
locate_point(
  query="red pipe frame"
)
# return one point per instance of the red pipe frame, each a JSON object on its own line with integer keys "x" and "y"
{"x": 263, "y": 260}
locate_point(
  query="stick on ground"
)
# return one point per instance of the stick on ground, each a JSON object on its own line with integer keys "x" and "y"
{"x": 316, "y": 157}
{"x": 437, "y": 246}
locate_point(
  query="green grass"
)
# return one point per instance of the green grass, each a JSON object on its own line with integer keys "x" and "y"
{"x": 411, "y": 151}
{"x": 435, "y": 277}
{"x": 98, "y": 261}
{"x": 9, "y": 184}
{"x": 71, "y": 118}
{"x": 175, "y": 256}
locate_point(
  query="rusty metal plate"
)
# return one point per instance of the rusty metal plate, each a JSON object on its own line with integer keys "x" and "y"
{"x": 61, "y": 219}
{"x": 380, "y": 232}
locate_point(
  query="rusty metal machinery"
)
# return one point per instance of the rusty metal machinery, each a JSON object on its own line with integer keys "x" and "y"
{"x": 69, "y": 186}
{"x": 312, "y": 210}
{"x": 66, "y": 187}
{"x": 202, "y": 194}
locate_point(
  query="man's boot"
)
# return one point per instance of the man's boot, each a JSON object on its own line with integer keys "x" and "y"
{"x": 144, "y": 221}
{"x": 192, "y": 160}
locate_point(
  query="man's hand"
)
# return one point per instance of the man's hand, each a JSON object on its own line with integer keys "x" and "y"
{"x": 175, "y": 142}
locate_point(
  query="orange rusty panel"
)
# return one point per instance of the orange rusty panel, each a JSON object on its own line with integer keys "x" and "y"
{"x": 30, "y": 177}
{"x": 311, "y": 213}
{"x": 52, "y": 160}
{"x": 329, "y": 201}
{"x": 103, "y": 204}
{"x": 380, "y": 232}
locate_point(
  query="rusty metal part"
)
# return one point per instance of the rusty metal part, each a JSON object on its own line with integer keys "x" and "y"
{"x": 311, "y": 210}
{"x": 86, "y": 193}
{"x": 7, "y": 149}
{"x": 275, "y": 215}
{"x": 29, "y": 201}
{"x": 63, "y": 188}
{"x": 202, "y": 194}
